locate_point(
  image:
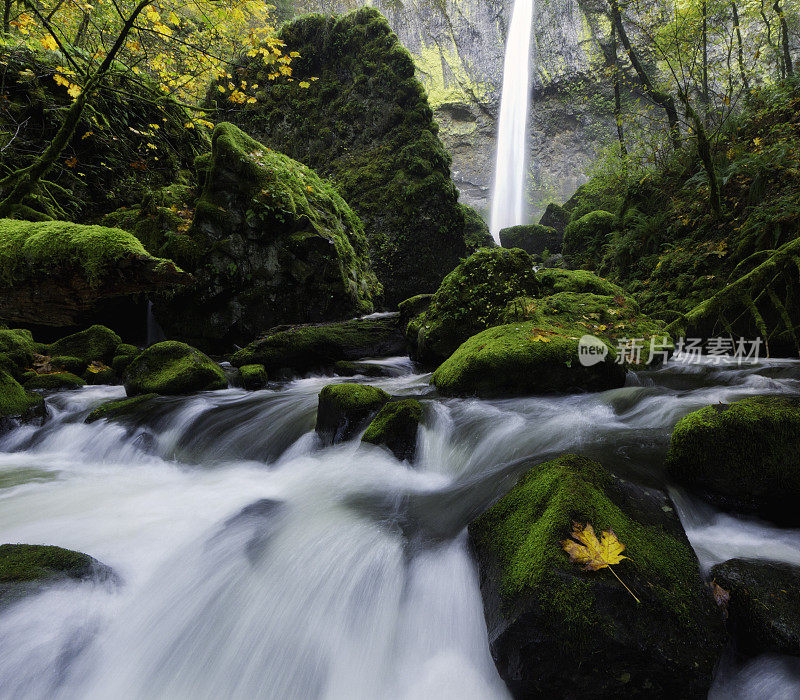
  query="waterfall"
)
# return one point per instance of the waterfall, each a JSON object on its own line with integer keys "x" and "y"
{"x": 154, "y": 332}
{"x": 509, "y": 174}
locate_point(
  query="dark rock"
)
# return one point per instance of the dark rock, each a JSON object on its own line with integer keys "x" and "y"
{"x": 742, "y": 456}
{"x": 555, "y": 217}
{"x": 121, "y": 408}
{"x": 55, "y": 381}
{"x": 345, "y": 409}
{"x": 556, "y": 630}
{"x": 585, "y": 238}
{"x": 476, "y": 230}
{"x": 764, "y": 605}
{"x": 532, "y": 238}
{"x": 171, "y": 367}
{"x": 396, "y": 426}
{"x": 253, "y": 377}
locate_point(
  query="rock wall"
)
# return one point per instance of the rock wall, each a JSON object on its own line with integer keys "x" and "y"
{"x": 458, "y": 47}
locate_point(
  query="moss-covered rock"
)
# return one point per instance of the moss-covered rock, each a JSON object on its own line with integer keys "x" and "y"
{"x": 75, "y": 365}
{"x": 17, "y": 404}
{"x": 121, "y": 408}
{"x": 94, "y": 343}
{"x": 764, "y": 605}
{"x": 555, "y": 217}
{"x": 27, "y": 568}
{"x": 54, "y": 381}
{"x": 172, "y": 367}
{"x": 742, "y": 456}
{"x": 585, "y": 238}
{"x": 355, "y": 112}
{"x": 476, "y": 230}
{"x": 557, "y": 630}
{"x": 99, "y": 374}
{"x": 52, "y": 272}
{"x": 345, "y": 409}
{"x": 123, "y": 356}
{"x": 396, "y": 426}
{"x": 17, "y": 349}
{"x": 476, "y": 295}
{"x": 347, "y": 368}
{"x": 307, "y": 347}
{"x": 279, "y": 245}
{"x": 253, "y": 377}
{"x": 532, "y": 238}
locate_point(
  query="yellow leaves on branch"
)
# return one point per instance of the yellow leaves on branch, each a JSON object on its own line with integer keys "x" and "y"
{"x": 73, "y": 90}
{"x": 584, "y": 548}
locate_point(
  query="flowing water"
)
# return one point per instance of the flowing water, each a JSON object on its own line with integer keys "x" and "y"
{"x": 254, "y": 563}
{"x": 508, "y": 206}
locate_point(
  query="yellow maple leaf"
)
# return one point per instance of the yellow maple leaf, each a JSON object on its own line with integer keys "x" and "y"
{"x": 540, "y": 339}
{"x": 584, "y": 548}
{"x": 49, "y": 43}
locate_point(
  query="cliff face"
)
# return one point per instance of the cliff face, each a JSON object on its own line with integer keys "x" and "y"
{"x": 458, "y": 47}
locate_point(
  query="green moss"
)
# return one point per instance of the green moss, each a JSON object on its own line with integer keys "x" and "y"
{"x": 354, "y": 397}
{"x": 555, "y": 217}
{"x": 741, "y": 455}
{"x": 396, "y": 427}
{"x": 172, "y": 367}
{"x": 15, "y": 402}
{"x": 126, "y": 350}
{"x": 476, "y": 231}
{"x": 17, "y": 340}
{"x": 120, "y": 363}
{"x": 585, "y": 239}
{"x": 365, "y": 122}
{"x": 532, "y": 238}
{"x": 32, "y": 250}
{"x": 111, "y": 410}
{"x": 101, "y": 376}
{"x": 253, "y": 376}
{"x": 344, "y": 409}
{"x": 95, "y": 343}
{"x": 307, "y": 347}
{"x": 75, "y": 365}
{"x": 55, "y": 381}
{"x": 28, "y": 562}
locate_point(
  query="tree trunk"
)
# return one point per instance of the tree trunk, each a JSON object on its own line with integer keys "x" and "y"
{"x": 7, "y": 16}
{"x": 740, "y": 53}
{"x": 705, "y": 94}
{"x": 787, "y": 58}
{"x": 80, "y": 36}
{"x": 617, "y": 98}
{"x": 23, "y": 181}
{"x": 665, "y": 101}
{"x": 704, "y": 151}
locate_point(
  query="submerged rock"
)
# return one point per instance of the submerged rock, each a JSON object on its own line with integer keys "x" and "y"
{"x": 356, "y": 113}
{"x": 26, "y": 569}
{"x": 742, "y": 456}
{"x": 278, "y": 245}
{"x": 172, "y": 367}
{"x": 53, "y": 272}
{"x": 764, "y": 605}
{"x": 307, "y": 347}
{"x": 556, "y": 630}
{"x": 532, "y": 238}
{"x": 396, "y": 426}
{"x": 16, "y": 404}
{"x": 345, "y": 409}
{"x": 585, "y": 237}
{"x": 120, "y": 408}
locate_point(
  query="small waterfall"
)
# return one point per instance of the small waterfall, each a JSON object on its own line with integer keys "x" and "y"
{"x": 154, "y": 332}
{"x": 509, "y": 176}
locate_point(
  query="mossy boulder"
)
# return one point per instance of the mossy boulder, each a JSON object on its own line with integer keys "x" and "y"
{"x": 555, "y": 217}
{"x": 54, "y": 272}
{"x": 396, "y": 426}
{"x": 121, "y": 408}
{"x": 279, "y": 245}
{"x": 94, "y": 343}
{"x": 532, "y": 238}
{"x": 304, "y": 348}
{"x": 345, "y": 409}
{"x": 742, "y": 456}
{"x": 253, "y": 377}
{"x": 75, "y": 365}
{"x": 764, "y": 605}
{"x": 475, "y": 295}
{"x": 362, "y": 120}
{"x": 557, "y": 630}
{"x": 27, "y": 568}
{"x": 172, "y": 367}
{"x": 17, "y": 349}
{"x": 99, "y": 374}
{"x": 585, "y": 238}
{"x": 54, "y": 381}
{"x": 17, "y": 404}
{"x": 476, "y": 230}
{"x": 347, "y": 368}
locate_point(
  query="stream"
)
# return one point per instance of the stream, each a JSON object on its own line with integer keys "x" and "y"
{"x": 253, "y": 563}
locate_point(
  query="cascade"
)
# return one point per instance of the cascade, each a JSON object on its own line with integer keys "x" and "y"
{"x": 509, "y": 176}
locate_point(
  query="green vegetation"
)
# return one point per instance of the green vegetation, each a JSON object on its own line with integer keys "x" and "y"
{"x": 742, "y": 456}
{"x": 112, "y": 410}
{"x": 534, "y": 239}
{"x": 585, "y": 238}
{"x": 94, "y": 343}
{"x": 476, "y": 231}
{"x": 55, "y": 381}
{"x": 355, "y": 113}
{"x": 32, "y": 562}
{"x": 15, "y": 402}
{"x": 396, "y": 427}
{"x": 172, "y": 367}
{"x": 344, "y": 410}
{"x": 253, "y": 377}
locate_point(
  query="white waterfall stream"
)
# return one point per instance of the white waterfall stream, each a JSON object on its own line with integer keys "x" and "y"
{"x": 252, "y": 566}
{"x": 508, "y": 205}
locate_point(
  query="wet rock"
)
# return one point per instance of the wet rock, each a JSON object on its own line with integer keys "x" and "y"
{"x": 396, "y": 426}
{"x": 55, "y": 381}
{"x": 172, "y": 367}
{"x": 764, "y": 605}
{"x": 742, "y": 456}
{"x": 555, "y": 217}
{"x": 532, "y": 238}
{"x": 112, "y": 410}
{"x": 16, "y": 404}
{"x": 303, "y": 348}
{"x": 94, "y": 343}
{"x": 345, "y": 368}
{"x": 345, "y": 409}
{"x": 253, "y": 377}
{"x": 476, "y": 230}
{"x": 556, "y": 630}
{"x": 26, "y": 569}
